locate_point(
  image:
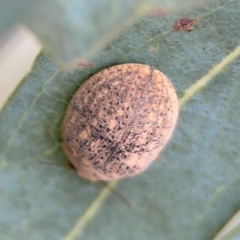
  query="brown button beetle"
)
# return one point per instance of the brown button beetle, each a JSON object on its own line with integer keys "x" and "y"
{"x": 118, "y": 121}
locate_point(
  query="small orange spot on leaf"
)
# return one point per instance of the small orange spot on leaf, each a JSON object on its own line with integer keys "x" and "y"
{"x": 158, "y": 12}
{"x": 85, "y": 64}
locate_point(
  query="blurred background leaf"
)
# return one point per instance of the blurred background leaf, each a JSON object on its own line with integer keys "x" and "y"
{"x": 11, "y": 12}
{"x": 74, "y": 30}
{"x": 190, "y": 194}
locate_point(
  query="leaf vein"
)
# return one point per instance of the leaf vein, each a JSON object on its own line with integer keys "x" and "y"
{"x": 24, "y": 115}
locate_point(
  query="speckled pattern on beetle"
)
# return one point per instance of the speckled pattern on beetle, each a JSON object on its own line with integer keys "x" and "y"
{"x": 118, "y": 121}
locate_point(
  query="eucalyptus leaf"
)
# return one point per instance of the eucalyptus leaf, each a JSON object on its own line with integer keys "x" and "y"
{"x": 11, "y": 12}
{"x": 74, "y": 30}
{"x": 190, "y": 192}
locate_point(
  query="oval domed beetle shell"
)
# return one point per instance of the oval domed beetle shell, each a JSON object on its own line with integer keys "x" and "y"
{"x": 118, "y": 121}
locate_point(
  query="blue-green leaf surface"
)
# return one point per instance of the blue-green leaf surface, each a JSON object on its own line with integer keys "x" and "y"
{"x": 190, "y": 192}
{"x": 74, "y": 30}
